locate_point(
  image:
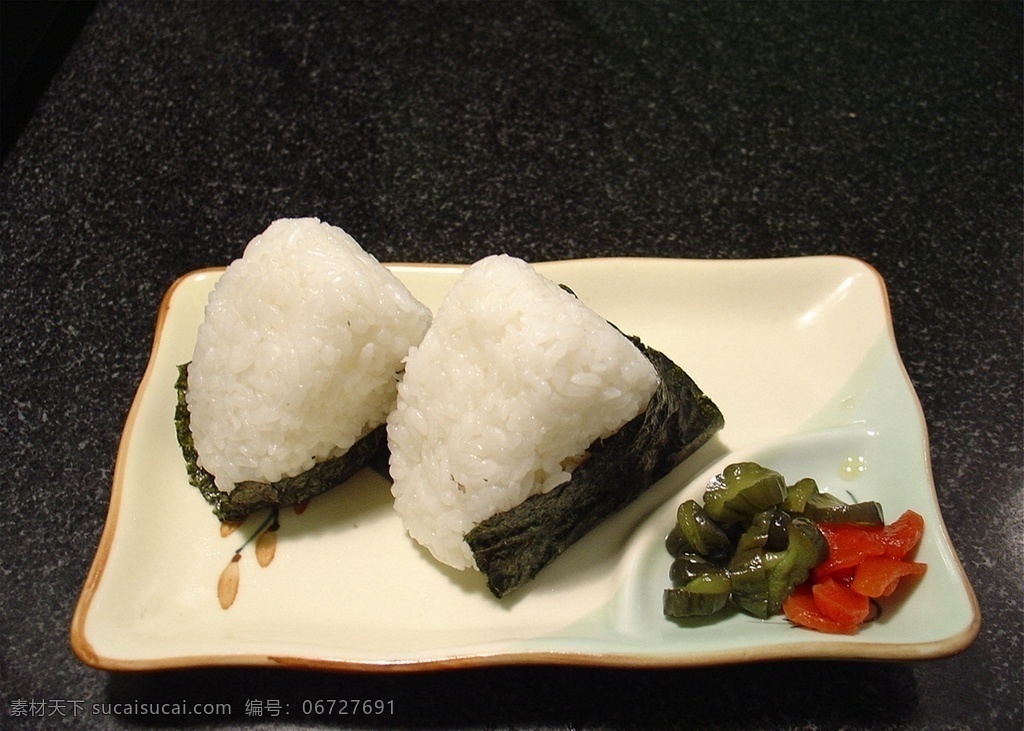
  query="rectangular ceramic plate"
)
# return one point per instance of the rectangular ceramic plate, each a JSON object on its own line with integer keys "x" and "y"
{"x": 798, "y": 353}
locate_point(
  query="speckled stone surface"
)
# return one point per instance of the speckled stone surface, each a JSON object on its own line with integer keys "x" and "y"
{"x": 174, "y": 132}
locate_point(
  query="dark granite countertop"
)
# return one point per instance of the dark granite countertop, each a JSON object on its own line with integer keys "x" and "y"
{"x": 441, "y": 132}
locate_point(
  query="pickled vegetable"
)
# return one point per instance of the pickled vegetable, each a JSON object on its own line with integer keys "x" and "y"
{"x": 878, "y": 576}
{"x": 848, "y": 545}
{"x": 705, "y": 594}
{"x": 689, "y": 566}
{"x": 700, "y": 534}
{"x": 797, "y": 494}
{"x": 802, "y": 610}
{"x": 902, "y": 536}
{"x": 767, "y": 547}
{"x": 840, "y": 603}
{"x": 741, "y": 491}
{"x": 866, "y": 563}
{"x": 763, "y": 579}
{"x": 826, "y": 508}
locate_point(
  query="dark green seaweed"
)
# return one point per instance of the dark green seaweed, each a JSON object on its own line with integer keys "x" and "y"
{"x": 510, "y": 548}
{"x": 248, "y": 497}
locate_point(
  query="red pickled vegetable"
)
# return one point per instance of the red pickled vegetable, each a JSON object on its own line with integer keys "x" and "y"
{"x": 842, "y": 576}
{"x": 902, "y": 536}
{"x": 864, "y": 563}
{"x": 801, "y": 609}
{"x": 878, "y": 576}
{"x": 848, "y": 545}
{"x": 840, "y": 603}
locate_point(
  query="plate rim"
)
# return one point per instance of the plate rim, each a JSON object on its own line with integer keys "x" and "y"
{"x": 819, "y": 650}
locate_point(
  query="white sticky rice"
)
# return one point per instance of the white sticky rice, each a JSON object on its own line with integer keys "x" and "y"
{"x": 513, "y": 381}
{"x": 299, "y": 353}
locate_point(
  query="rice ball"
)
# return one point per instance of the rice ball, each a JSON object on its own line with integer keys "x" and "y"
{"x": 299, "y": 353}
{"x": 512, "y": 382}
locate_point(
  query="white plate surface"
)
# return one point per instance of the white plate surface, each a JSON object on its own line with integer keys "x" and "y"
{"x": 798, "y": 353}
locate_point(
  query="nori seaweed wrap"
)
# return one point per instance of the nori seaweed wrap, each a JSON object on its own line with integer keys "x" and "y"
{"x": 249, "y": 496}
{"x": 511, "y": 547}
